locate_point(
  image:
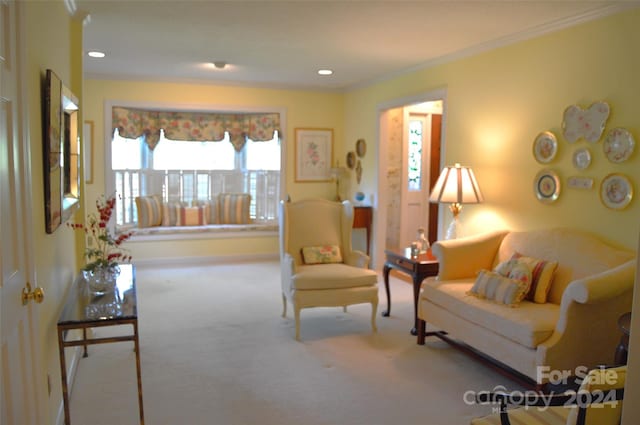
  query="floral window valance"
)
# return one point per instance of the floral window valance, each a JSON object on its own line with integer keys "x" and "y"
{"x": 194, "y": 126}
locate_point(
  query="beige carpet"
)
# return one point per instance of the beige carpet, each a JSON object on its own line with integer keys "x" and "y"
{"x": 215, "y": 351}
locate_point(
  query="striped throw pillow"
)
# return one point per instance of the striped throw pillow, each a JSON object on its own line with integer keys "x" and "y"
{"x": 191, "y": 216}
{"x": 212, "y": 210}
{"x": 170, "y": 213}
{"x": 234, "y": 208}
{"x": 149, "y": 210}
{"x": 495, "y": 287}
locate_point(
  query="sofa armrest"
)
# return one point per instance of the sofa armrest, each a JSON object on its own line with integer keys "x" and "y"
{"x": 357, "y": 259}
{"x": 465, "y": 257}
{"x": 602, "y": 286}
{"x": 586, "y": 333}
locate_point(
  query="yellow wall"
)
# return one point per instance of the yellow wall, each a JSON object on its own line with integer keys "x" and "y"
{"x": 58, "y": 48}
{"x": 498, "y": 101}
{"x": 303, "y": 109}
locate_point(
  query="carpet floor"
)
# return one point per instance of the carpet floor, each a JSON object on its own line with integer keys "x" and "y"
{"x": 215, "y": 351}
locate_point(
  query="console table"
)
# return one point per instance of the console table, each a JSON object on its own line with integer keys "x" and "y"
{"x": 418, "y": 267}
{"x": 83, "y": 310}
{"x": 362, "y": 219}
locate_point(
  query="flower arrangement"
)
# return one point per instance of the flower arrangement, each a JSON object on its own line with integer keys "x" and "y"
{"x": 104, "y": 251}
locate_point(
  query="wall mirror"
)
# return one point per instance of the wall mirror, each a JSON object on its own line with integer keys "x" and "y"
{"x": 61, "y": 152}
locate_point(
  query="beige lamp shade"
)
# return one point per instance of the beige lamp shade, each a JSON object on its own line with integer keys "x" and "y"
{"x": 456, "y": 185}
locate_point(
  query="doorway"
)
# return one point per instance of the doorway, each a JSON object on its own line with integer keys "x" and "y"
{"x": 411, "y": 136}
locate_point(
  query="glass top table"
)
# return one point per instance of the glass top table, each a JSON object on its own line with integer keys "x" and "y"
{"x": 84, "y": 310}
{"x": 82, "y": 307}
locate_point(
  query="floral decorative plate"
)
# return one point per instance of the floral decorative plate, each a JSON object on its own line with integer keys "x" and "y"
{"x": 616, "y": 191}
{"x": 546, "y": 186}
{"x": 545, "y": 147}
{"x": 588, "y": 123}
{"x": 581, "y": 158}
{"x": 618, "y": 145}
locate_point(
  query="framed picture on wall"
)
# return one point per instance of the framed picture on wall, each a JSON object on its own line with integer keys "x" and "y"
{"x": 313, "y": 154}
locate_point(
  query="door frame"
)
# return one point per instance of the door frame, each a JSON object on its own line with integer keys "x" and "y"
{"x": 380, "y": 218}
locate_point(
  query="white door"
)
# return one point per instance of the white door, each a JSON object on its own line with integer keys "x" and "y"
{"x": 20, "y": 404}
{"x": 414, "y": 201}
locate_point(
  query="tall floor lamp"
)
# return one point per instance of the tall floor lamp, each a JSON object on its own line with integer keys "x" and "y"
{"x": 456, "y": 185}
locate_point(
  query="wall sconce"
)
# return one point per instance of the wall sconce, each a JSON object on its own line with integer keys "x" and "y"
{"x": 456, "y": 185}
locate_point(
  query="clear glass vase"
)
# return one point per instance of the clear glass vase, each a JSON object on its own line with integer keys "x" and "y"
{"x": 101, "y": 280}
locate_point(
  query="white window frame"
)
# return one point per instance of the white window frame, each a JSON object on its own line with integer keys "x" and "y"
{"x": 164, "y": 106}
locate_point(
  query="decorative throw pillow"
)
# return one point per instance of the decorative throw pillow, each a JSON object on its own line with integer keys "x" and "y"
{"x": 234, "y": 208}
{"x": 191, "y": 216}
{"x": 211, "y": 209}
{"x": 324, "y": 254}
{"x": 149, "y": 210}
{"x": 495, "y": 287}
{"x": 542, "y": 276}
{"x": 170, "y": 213}
{"x": 505, "y": 267}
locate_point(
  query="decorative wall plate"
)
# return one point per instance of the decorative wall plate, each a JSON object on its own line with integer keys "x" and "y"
{"x": 616, "y": 191}
{"x": 577, "y": 182}
{"x": 581, "y": 158}
{"x": 618, "y": 145}
{"x": 351, "y": 160}
{"x": 545, "y": 147}
{"x": 588, "y": 123}
{"x": 546, "y": 186}
{"x": 361, "y": 147}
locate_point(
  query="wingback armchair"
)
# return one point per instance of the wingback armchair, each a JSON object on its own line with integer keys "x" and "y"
{"x": 319, "y": 266}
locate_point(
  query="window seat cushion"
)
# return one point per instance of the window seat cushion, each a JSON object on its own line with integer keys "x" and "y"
{"x": 207, "y": 228}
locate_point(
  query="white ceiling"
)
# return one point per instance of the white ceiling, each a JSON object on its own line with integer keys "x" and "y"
{"x": 283, "y": 43}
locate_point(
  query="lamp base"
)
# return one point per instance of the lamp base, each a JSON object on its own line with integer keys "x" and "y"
{"x": 454, "y": 230}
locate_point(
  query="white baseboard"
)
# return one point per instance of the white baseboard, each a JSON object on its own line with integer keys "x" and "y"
{"x": 205, "y": 260}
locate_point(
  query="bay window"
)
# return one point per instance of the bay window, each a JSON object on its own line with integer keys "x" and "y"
{"x": 189, "y": 157}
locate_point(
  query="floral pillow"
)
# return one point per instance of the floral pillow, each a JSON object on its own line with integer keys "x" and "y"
{"x": 323, "y": 254}
{"x": 542, "y": 272}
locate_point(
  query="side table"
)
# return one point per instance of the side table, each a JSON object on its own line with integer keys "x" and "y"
{"x": 83, "y": 310}
{"x": 418, "y": 267}
{"x": 362, "y": 219}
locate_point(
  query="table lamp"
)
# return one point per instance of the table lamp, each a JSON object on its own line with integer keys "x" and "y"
{"x": 336, "y": 173}
{"x": 456, "y": 185}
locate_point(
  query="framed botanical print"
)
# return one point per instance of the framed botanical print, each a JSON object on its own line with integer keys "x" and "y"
{"x": 313, "y": 153}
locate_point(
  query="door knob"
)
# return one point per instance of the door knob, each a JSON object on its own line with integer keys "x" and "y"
{"x": 37, "y": 294}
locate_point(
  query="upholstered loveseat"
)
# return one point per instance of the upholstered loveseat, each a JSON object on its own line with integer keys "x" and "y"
{"x": 573, "y": 324}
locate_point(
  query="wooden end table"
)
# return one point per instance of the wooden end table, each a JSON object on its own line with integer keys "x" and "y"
{"x": 418, "y": 267}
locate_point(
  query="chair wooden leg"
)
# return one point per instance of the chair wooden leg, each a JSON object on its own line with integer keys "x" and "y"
{"x": 374, "y": 311}
{"x": 296, "y": 312}
{"x": 284, "y": 305}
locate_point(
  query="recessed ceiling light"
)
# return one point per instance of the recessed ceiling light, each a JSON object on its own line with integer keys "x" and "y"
{"x": 95, "y": 54}
{"x": 325, "y": 72}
